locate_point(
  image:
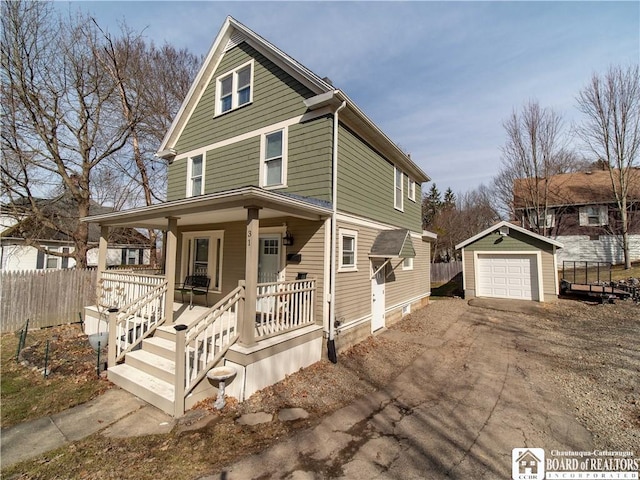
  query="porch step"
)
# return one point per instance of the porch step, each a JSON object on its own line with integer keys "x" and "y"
{"x": 149, "y": 388}
{"x": 160, "y": 346}
{"x": 152, "y": 364}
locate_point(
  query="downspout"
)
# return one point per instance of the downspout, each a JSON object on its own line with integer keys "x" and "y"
{"x": 331, "y": 346}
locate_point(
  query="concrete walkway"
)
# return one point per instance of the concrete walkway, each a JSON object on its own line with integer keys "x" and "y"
{"x": 116, "y": 412}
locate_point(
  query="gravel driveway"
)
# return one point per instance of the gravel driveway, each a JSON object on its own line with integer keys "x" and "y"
{"x": 478, "y": 382}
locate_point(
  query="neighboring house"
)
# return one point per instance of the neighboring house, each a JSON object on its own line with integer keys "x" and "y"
{"x": 126, "y": 246}
{"x": 303, "y": 216}
{"x": 581, "y": 213}
{"x": 508, "y": 261}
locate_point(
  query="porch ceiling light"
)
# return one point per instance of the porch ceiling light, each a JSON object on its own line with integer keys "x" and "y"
{"x": 288, "y": 239}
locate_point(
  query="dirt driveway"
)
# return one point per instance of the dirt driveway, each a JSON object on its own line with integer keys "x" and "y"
{"x": 560, "y": 377}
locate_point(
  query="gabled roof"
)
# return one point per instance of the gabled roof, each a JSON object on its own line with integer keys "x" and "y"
{"x": 393, "y": 244}
{"x": 233, "y": 33}
{"x": 577, "y": 188}
{"x": 504, "y": 223}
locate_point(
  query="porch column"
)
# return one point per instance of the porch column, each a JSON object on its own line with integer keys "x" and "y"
{"x": 170, "y": 248}
{"x": 102, "y": 258}
{"x": 248, "y": 326}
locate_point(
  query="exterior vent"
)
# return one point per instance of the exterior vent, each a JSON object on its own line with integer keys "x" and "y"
{"x": 328, "y": 80}
{"x": 236, "y": 39}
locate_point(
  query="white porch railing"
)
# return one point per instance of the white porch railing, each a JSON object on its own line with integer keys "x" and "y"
{"x": 135, "y": 321}
{"x": 201, "y": 345}
{"x": 118, "y": 289}
{"x": 284, "y": 306}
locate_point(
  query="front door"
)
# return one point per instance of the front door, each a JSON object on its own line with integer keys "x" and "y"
{"x": 377, "y": 296}
{"x": 268, "y": 270}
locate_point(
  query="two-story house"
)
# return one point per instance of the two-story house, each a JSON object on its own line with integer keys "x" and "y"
{"x": 300, "y": 217}
{"x": 579, "y": 210}
{"x": 25, "y": 244}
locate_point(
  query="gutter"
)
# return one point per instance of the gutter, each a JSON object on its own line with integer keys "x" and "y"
{"x": 331, "y": 347}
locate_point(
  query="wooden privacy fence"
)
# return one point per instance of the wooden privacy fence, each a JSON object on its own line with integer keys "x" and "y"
{"x": 443, "y": 272}
{"x": 46, "y": 298}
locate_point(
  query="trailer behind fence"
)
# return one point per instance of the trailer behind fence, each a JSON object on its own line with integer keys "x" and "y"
{"x": 46, "y": 298}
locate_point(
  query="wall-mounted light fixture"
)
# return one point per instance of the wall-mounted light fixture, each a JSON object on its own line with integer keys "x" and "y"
{"x": 287, "y": 239}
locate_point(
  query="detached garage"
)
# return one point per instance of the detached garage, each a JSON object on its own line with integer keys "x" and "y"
{"x": 507, "y": 261}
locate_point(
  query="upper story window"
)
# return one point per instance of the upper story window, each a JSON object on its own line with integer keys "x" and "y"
{"x": 235, "y": 88}
{"x": 195, "y": 176}
{"x": 411, "y": 189}
{"x": 407, "y": 263}
{"x": 398, "y": 189}
{"x": 541, "y": 220}
{"x": 273, "y": 159}
{"x": 348, "y": 250}
{"x": 594, "y": 216}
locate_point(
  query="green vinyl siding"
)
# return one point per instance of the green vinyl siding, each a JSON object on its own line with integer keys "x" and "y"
{"x": 309, "y": 160}
{"x": 366, "y": 185}
{"x": 514, "y": 242}
{"x": 233, "y": 166}
{"x": 276, "y": 97}
{"x": 177, "y": 180}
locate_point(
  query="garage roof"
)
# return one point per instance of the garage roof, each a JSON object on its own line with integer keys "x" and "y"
{"x": 497, "y": 226}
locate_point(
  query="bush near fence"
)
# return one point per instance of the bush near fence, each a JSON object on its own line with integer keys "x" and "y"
{"x": 47, "y": 298}
{"x": 444, "y": 272}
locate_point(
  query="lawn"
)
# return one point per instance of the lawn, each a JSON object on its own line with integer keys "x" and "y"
{"x": 25, "y": 392}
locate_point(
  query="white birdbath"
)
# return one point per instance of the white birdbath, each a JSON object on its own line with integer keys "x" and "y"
{"x": 220, "y": 375}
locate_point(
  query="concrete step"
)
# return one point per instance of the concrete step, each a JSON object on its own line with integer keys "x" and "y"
{"x": 168, "y": 333}
{"x": 151, "y": 389}
{"x": 160, "y": 346}
{"x": 155, "y": 365}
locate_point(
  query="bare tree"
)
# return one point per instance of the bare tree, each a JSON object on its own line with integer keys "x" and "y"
{"x": 534, "y": 152}
{"x": 58, "y": 122}
{"x": 611, "y": 132}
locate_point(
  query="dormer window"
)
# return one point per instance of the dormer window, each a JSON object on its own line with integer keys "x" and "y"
{"x": 234, "y": 88}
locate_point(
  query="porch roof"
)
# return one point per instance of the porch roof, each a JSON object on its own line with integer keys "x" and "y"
{"x": 221, "y": 207}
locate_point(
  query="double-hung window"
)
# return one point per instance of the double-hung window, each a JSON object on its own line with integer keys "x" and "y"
{"x": 195, "y": 174}
{"x": 348, "y": 250}
{"x": 411, "y": 190}
{"x": 234, "y": 88}
{"x": 202, "y": 255}
{"x": 594, "y": 216}
{"x": 273, "y": 161}
{"x": 398, "y": 189}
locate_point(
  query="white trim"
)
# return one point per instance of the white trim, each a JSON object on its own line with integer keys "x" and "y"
{"x": 411, "y": 189}
{"x": 189, "y": 189}
{"x": 464, "y": 273}
{"x": 555, "y": 272}
{"x": 537, "y": 254}
{"x": 234, "y": 88}
{"x": 283, "y": 155}
{"x": 504, "y": 223}
{"x": 397, "y": 170}
{"x": 254, "y": 133}
{"x": 342, "y": 232}
{"x": 214, "y": 263}
{"x": 365, "y": 222}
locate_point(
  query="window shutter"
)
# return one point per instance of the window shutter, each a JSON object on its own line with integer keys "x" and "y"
{"x": 65, "y": 260}
{"x": 40, "y": 260}
{"x": 604, "y": 215}
{"x": 584, "y": 217}
{"x": 123, "y": 256}
{"x": 140, "y": 256}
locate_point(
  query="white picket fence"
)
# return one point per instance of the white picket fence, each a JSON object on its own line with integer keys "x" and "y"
{"x": 45, "y": 297}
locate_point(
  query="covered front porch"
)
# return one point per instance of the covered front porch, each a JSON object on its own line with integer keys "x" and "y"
{"x": 263, "y": 256}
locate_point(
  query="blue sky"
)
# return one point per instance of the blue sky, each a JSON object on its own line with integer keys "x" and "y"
{"x": 438, "y": 77}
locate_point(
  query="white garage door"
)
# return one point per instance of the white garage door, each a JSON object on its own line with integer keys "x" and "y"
{"x": 507, "y": 276}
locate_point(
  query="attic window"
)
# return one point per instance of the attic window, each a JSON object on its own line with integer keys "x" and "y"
{"x": 234, "y": 89}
